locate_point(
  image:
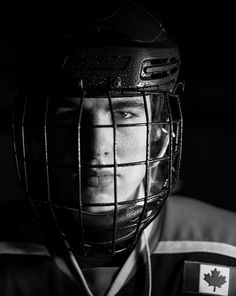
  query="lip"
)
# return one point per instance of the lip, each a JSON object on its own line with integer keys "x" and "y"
{"x": 98, "y": 178}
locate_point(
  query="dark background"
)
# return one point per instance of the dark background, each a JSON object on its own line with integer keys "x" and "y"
{"x": 205, "y": 35}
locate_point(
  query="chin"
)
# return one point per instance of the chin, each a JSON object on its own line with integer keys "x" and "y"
{"x": 98, "y": 198}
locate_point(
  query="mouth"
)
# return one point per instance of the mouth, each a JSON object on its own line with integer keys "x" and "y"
{"x": 98, "y": 178}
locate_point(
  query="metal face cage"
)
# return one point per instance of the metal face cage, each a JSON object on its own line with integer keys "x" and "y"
{"x": 98, "y": 166}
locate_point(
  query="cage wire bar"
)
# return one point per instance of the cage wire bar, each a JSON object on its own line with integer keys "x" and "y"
{"x": 170, "y": 181}
{"x": 79, "y": 197}
{"x": 46, "y": 152}
{"x": 23, "y": 145}
{"x": 17, "y": 156}
{"x": 181, "y": 133}
{"x": 180, "y": 84}
{"x": 14, "y": 146}
{"x": 115, "y": 172}
{"x": 147, "y": 165}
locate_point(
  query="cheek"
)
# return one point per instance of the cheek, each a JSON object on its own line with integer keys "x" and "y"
{"x": 62, "y": 145}
{"x": 131, "y": 144}
{"x": 131, "y": 178}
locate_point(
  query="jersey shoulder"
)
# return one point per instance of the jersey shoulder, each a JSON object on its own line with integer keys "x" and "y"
{"x": 189, "y": 240}
{"x": 20, "y": 232}
{"x": 191, "y": 219}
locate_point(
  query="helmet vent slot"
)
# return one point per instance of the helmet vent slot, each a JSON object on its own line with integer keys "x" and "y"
{"x": 159, "y": 68}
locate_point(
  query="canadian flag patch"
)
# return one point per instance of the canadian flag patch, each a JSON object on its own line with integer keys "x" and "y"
{"x": 204, "y": 278}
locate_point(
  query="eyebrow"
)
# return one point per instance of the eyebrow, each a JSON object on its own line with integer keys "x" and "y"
{"x": 124, "y": 103}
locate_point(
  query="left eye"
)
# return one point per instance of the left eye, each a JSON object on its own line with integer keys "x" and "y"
{"x": 123, "y": 115}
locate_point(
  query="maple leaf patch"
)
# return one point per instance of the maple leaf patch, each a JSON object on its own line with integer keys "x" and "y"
{"x": 215, "y": 279}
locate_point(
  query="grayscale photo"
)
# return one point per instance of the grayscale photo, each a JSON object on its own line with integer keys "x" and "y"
{"x": 117, "y": 148}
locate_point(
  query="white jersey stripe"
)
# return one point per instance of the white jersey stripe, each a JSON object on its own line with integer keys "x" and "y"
{"x": 174, "y": 247}
{"x": 18, "y": 248}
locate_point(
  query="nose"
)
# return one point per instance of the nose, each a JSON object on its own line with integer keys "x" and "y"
{"x": 102, "y": 142}
{"x": 98, "y": 142}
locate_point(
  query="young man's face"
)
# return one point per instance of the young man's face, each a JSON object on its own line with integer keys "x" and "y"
{"x": 97, "y": 148}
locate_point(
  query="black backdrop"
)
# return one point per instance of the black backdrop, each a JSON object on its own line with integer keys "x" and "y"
{"x": 205, "y": 35}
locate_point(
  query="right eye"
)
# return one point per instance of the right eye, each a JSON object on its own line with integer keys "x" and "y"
{"x": 64, "y": 115}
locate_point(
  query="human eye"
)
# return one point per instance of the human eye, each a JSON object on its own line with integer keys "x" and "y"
{"x": 124, "y": 115}
{"x": 63, "y": 111}
{"x": 63, "y": 115}
{"x": 129, "y": 110}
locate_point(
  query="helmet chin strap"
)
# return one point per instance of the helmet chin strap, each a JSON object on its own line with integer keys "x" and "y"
{"x": 105, "y": 220}
{"x": 99, "y": 229}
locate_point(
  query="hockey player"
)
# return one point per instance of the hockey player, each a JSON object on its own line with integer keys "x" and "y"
{"x": 97, "y": 132}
